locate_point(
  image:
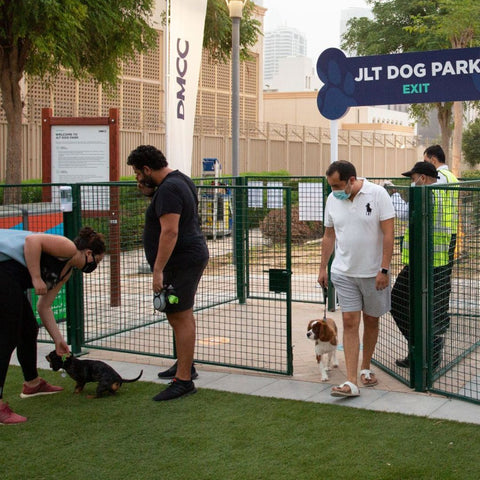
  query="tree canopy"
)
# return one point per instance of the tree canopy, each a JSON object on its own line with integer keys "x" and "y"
{"x": 471, "y": 143}
{"x": 89, "y": 39}
{"x": 217, "y": 36}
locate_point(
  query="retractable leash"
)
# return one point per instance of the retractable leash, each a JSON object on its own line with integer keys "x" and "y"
{"x": 165, "y": 295}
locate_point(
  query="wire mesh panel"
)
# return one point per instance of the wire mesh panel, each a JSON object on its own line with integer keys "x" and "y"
{"x": 118, "y": 308}
{"x": 454, "y": 337}
{"x": 266, "y": 213}
{"x": 244, "y": 293}
{"x": 391, "y": 351}
{"x": 232, "y": 329}
{"x": 435, "y": 345}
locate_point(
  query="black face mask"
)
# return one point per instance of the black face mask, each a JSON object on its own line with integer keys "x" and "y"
{"x": 89, "y": 267}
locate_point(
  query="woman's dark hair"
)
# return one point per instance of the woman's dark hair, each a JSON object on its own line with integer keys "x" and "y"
{"x": 88, "y": 238}
{"x": 147, "y": 156}
{"x": 344, "y": 168}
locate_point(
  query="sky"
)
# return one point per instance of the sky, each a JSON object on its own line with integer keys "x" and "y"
{"x": 319, "y": 20}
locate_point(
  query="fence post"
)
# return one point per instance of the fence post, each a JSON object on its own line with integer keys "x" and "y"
{"x": 240, "y": 205}
{"x": 288, "y": 265}
{"x": 72, "y": 222}
{"x": 418, "y": 294}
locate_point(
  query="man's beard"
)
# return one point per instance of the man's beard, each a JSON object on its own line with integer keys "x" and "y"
{"x": 148, "y": 182}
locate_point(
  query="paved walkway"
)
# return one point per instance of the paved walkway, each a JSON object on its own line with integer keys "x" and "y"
{"x": 387, "y": 397}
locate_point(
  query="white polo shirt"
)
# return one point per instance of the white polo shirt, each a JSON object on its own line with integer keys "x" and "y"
{"x": 359, "y": 238}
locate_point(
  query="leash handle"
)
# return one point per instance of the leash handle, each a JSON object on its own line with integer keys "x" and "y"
{"x": 325, "y": 295}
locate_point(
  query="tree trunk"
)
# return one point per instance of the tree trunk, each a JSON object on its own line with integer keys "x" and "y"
{"x": 444, "y": 115}
{"x": 13, "y": 107}
{"x": 457, "y": 138}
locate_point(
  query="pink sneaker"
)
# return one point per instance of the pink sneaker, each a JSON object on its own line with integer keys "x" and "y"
{"x": 43, "y": 388}
{"x": 7, "y": 417}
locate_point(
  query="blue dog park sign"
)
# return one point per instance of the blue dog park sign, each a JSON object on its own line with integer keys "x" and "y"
{"x": 417, "y": 77}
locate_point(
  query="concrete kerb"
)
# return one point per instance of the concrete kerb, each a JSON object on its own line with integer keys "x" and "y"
{"x": 223, "y": 379}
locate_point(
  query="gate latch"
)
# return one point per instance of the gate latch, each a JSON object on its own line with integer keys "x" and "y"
{"x": 279, "y": 280}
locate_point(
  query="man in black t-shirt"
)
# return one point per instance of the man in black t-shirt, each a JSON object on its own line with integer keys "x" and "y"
{"x": 177, "y": 253}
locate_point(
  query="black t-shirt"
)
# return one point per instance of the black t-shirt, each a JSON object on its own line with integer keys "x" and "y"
{"x": 176, "y": 194}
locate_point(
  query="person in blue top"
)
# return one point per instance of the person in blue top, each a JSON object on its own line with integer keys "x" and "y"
{"x": 42, "y": 262}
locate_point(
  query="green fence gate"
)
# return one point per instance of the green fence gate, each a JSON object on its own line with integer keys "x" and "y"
{"x": 243, "y": 304}
{"x": 443, "y": 353}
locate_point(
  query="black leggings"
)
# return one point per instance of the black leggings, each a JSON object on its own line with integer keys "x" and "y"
{"x": 18, "y": 329}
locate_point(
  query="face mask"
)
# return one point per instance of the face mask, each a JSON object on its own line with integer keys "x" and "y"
{"x": 89, "y": 267}
{"x": 341, "y": 194}
{"x": 414, "y": 184}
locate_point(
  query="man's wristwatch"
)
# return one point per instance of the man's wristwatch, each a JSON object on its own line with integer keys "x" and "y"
{"x": 384, "y": 271}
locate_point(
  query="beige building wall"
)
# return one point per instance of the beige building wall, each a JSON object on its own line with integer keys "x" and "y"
{"x": 300, "y": 108}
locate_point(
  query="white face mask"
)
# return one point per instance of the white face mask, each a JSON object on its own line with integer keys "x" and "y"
{"x": 414, "y": 184}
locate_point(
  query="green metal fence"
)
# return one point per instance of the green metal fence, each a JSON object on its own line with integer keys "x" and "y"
{"x": 267, "y": 258}
{"x": 243, "y": 303}
{"x": 308, "y": 199}
{"x": 441, "y": 303}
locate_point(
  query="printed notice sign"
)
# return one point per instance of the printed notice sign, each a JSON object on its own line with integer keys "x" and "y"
{"x": 255, "y": 195}
{"x": 310, "y": 199}
{"x": 80, "y": 154}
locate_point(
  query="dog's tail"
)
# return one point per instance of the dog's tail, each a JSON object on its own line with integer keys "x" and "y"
{"x": 132, "y": 379}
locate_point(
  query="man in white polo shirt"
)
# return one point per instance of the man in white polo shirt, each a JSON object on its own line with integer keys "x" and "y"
{"x": 359, "y": 221}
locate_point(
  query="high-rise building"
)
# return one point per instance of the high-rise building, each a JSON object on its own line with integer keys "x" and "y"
{"x": 280, "y": 43}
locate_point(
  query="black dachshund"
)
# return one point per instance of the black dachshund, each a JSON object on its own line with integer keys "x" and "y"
{"x": 84, "y": 371}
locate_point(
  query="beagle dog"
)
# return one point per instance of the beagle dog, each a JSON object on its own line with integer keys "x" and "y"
{"x": 324, "y": 333}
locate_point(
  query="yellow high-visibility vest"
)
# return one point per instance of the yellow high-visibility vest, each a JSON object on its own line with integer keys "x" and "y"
{"x": 444, "y": 224}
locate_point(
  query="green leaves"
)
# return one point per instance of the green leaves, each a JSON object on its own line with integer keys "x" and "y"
{"x": 471, "y": 143}
{"x": 86, "y": 37}
{"x": 217, "y": 37}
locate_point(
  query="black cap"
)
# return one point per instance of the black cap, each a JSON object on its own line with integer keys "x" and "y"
{"x": 423, "y": 168}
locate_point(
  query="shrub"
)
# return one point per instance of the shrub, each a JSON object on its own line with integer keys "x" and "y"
{"x": 471, "y": 175}
{"x": 274, "y": 227}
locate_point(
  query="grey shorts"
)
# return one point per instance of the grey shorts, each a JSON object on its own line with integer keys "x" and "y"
{"x": 359, "y": 294}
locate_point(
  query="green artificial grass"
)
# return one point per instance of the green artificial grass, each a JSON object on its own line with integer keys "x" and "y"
{"x": 225, "y": 436}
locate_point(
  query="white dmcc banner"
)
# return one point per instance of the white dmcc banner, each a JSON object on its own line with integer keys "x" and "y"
{"x": 187, "y": 20}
